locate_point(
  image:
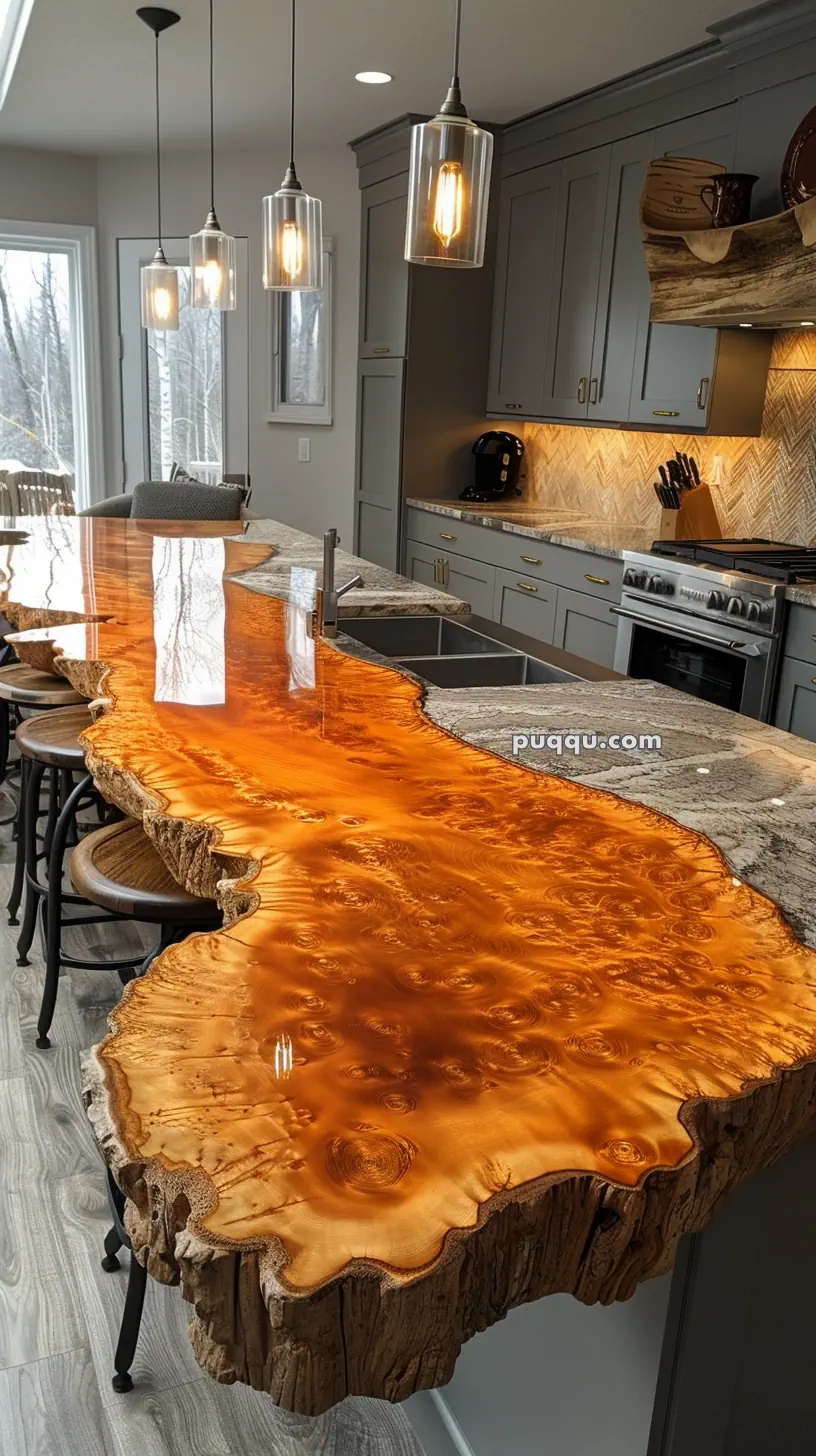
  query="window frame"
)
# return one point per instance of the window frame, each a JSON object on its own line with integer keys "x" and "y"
{"x": 279, "y": 412}
{"x": 79, "y": 245}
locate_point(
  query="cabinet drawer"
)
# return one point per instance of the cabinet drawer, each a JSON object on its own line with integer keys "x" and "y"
{"x": 796, "y": 699}
{"x": 472, "y": 581}
{"x": 585, "y": 626}
{"x": 445, "y": 533}
{"x": 525, "y": 604}
{"x": 800, "y": 640}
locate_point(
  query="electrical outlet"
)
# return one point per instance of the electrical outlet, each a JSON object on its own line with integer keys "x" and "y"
{"x": 304, "y": 449}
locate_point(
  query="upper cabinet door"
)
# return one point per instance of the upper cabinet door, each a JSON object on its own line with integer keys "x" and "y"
{"x": 571, "y": 334}
{"x": 384, "y": 280}
{"x": 624, "y": 286}
{"x": 528, "y": 223}
{"x": 674, "y": 365}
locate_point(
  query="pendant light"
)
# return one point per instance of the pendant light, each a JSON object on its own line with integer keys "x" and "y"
{"x": 212, "y": 252}
{"x": 160, "y": 284}
{"x": 449, "y": 186}
{"x": 292, "y": 222}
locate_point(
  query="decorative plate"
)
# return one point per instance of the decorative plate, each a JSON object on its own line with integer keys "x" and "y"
{"x": 799, "y": 167}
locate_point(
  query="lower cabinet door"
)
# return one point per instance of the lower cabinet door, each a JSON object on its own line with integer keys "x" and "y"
{"x": 585, "y": 625}
{"x": 471, "y": 581}
{"x": 796, "y": 699}
{"x": 525, "y": 604}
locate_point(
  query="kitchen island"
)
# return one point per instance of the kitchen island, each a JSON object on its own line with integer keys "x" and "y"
{"x": 471, "y": 1035}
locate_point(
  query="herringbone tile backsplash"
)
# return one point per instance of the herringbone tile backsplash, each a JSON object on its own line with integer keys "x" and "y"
{"x": 765, "y": 486}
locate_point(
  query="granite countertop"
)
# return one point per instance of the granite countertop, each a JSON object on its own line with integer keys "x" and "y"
{"x": 749, "y": 787}
{"x": 562, "y": 528}
{"x": 383, "y": 593}
{"x": 803, "y": 594}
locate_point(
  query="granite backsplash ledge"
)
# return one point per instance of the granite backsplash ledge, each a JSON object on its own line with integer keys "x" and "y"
{"x": 764, "y": 486}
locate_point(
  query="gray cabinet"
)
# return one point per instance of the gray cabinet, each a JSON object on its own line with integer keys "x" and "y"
{"x": 525, "y": 604}
{"x": 379, "y": 451}
{"x": 384, "y": 287}
{"x": 585, "y": 625}
{"x": 469, "y": 580}
{"x": 571, "y": 333}
{"x": 796, "y": 698}
{"x": 624, "y": 283}
{"x": 528, "y": 223}
{"x": 674, "y": 367}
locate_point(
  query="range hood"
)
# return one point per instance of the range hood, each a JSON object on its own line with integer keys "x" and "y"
{"x": 762, "y": 273}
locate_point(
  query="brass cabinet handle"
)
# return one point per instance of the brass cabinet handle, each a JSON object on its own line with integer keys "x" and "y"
{"x": 446, "y": 572}
{"x": 526, "y": 587}
{"x": 508, "y": 404}
{"x": 598, "y": 580}
{"x": 669, "y": 414}
{"x": 593, "y": 391}
{"x": 439, "y": 571}
{"x": 382, "y": 349}
{"x": 702, "y": 392}
{"x": 813, "y": 679}
{"x": 531, "y": 560}
{"x": 582, "y": 389}
{"x": 445, "y": 536}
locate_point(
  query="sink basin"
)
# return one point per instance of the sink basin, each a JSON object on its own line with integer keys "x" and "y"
{"x": 419, "y": 637}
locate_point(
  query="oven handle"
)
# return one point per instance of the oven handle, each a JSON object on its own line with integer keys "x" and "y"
{"x": 750, "y": 649}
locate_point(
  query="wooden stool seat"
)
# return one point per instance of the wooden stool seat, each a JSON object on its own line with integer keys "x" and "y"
{"x": 118, "y": 869}
{"x": 22, "y": 684}
{"x": 53, "y": 738}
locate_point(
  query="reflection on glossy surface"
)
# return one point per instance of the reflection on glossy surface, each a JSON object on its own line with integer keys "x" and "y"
{"x": 459, "y": 976}
{"x": 188, "y": 620}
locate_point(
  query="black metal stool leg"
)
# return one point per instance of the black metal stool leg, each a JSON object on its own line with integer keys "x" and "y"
{"x": 5, "y": 737}
{"x": 113, "y": 1244}
{"x": 53, "y": 910}
{"x": 31, "y": 814}
{"x": 129, "y": 1331}
{"x": 19, "y": 864}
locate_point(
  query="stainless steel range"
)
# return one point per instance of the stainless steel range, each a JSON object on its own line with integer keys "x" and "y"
{"x": 709, "y": 619}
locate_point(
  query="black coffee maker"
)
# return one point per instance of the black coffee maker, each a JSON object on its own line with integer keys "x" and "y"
{"x": 498, "y": 457}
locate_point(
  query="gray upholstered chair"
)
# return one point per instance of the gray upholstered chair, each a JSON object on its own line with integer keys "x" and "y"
{"x": 163, "y": 500}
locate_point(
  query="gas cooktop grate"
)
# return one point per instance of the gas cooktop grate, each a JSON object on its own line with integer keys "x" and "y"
{"x": 773, "y": 560}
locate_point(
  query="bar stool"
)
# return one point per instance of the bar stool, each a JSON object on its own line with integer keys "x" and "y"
{"x": 25, "y": 690}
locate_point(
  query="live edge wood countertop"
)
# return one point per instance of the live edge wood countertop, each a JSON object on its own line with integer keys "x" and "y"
{"x": 473, "y": 1032}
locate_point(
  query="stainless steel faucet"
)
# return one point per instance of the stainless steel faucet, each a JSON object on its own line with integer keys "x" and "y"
{"x": 329, "y": 595}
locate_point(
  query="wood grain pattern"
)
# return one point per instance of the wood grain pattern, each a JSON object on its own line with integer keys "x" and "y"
{"x": 445, "y": 1058}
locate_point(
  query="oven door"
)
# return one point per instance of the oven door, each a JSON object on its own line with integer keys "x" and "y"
{"x": 726, "y": 664}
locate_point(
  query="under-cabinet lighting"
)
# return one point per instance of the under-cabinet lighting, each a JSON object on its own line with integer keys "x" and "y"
{"x": 746, "y": 326}
{"x": 704, "y": 770}
{"x": 14, "y": 18}
{"x": 779, "y": 802}
{"x": 373, "y": 78}
{"x": 807, "y": 324}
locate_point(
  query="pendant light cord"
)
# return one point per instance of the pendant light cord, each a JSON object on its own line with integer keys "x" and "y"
{"x": 212, "y": 105}
{"x": 158, "y": 147}
{"x": 457, "y": 35}
{"x": 292, "y": 98}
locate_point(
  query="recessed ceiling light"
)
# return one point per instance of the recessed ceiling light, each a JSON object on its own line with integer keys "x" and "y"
{"x": 373, "y": 78}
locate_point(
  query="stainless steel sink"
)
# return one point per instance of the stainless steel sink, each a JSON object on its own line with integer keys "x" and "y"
{"x": 420, "y": 637}
{"x": 451, "y": 654}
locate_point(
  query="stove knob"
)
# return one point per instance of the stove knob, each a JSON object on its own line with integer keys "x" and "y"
{"x": 736, "y": 607}
{"x": 654, "y": 584}
{"x": 715, "y": 600}
{"x": 753, "y": 611}
{"x": 632, "y": 577}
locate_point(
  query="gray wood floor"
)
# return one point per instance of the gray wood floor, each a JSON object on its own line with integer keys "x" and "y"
{"x": 59, "y": 1313}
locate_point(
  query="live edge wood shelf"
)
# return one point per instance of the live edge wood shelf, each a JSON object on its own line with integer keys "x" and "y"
{"x": 763, "y": 273}
{"x": 470, "y": 1035}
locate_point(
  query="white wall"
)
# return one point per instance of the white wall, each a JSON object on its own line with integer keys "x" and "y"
{"x": 311, "y": 497}
{"x": 47, "y": 187}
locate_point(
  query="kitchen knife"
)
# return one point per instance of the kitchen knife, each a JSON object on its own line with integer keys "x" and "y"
{"x": 685, "y": 473}
{"x": 694, "y": 471}
{"x": 663, "y": 475}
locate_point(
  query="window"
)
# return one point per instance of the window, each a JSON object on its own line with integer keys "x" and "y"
{"x": 301, "y": 353}
{"x": 50, "y": 390}
{"x": 185, "y": 392}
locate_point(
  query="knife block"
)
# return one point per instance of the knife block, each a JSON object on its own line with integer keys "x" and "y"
{"x": 696, "y": 519}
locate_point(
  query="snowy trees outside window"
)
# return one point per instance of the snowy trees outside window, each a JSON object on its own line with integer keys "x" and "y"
{"x": 36, "y": 395}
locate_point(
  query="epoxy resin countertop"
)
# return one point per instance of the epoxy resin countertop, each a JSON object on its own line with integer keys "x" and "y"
{"x": 471, "y": 1034}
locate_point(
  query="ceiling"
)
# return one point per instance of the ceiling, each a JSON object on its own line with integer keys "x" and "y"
{"x": 84, "y": 81}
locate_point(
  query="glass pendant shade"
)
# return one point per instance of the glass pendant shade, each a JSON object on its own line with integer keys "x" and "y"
{"x": 160, "y": 294}
{"x": 212, "y": 268}
{"x": 292, "y": 240}
{"x": 449, "y": 192}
